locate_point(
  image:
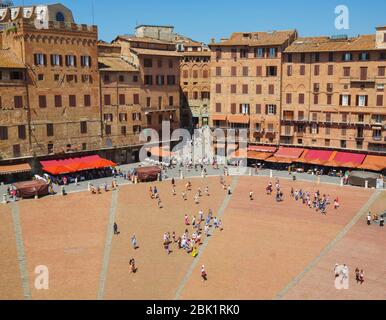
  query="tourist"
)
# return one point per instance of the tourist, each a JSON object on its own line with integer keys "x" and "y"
{"x": 382, "y": 222}
{"x": 199, "y": 192}
{"x": 160, "y": 205}
{"x": 220, "y": 225}
{"x": 229, "y": 190}
{"x": 207, "y": 230}
{"x": 151, "y": 193}
{"x": 251, "y": 195}
{"x": 134, "y": 242}
{"x": 174, "y": 192}
{"x": 207, "y": 191}
{"x": 186, "y": 220}
{"x": 194, "y": 221}
{"x": 201, "y": 216}
{"x": 116, "y": 232}
{"x": 196, "y": 199}
{"x": 133, "y": 269}
{"x": 369, "y": 219}
{"x": 336, "y": 204}
{"x": 204, "y": 275}
{"x": 215, "y": 223}
{"x": 361, "y": 277}
{"x": 173, "y": 182}
{"x": 269, "y": 189}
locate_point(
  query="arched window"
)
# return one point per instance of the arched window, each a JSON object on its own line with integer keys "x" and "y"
{"x": 60, "y": 17}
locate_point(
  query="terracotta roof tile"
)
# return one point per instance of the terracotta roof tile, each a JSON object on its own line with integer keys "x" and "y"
{"x": 152, "y": 52}
{"x": 325, "y": 44}
{"x": 115, "y": 64}
{"x": 257, "y": 38}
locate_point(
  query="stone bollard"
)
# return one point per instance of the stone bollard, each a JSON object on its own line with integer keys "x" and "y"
{"x": 366, "y": 184}
{"x": 270, "y": 173}
{"x": 63, "y": 191}
{"x": 250, "y": 172}
{"x": 5, "y": 198}
{"x": 318, "y": 181}
{"x": 341, "y": 182}
{"x": 89, "y": 186}
{"x": 181, "y": 175}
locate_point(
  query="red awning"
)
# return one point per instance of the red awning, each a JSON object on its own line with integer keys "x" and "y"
{"x": 72, "y": 165}
{"x": 289, "y": 153}
{"x": 318, "y": 155}
{"x": 345, "y": 157}
{"x": 262, "y": 149}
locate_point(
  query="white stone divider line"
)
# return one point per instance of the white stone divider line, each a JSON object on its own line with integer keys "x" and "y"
{"x": 107, "y": 250}
{"x": 221, "y": 212}
{"x": 365, "y": 209}
{"x": 20, "y": 252}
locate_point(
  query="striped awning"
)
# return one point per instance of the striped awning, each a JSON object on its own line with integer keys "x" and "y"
{"x": 17, "y": 168}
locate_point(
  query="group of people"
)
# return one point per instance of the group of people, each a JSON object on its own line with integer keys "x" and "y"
{"x": 375, "y": 219}
{"x": 279, "y": 193}
{"x": 318, "y": 201}
{"x": 154, "y": 195}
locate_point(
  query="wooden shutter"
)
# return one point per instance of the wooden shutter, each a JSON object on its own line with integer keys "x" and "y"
{"x": 258, "y": 109}
{"x": 258, "y": 89}
{"x": 258, "y": 71}
{"x": 233, "y": 108}
{"x": 379, "y": 100}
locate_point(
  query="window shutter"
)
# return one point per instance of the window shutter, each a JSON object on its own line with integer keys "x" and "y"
{"x": 366, "y": 101}
{"x": 258, "y": 71}
{"x": 349, "y": 100}
{"x": 36, "y": 59}
{"x": 52, "y": 60}
{"x": 233, "y": 108}
{"x": 357, "y": 101}
{"x": 258, "y": 89}
{"x": 258, "y": 109}
{"x": 340, "y": 100}
{"x": 379, "y": 100}
{"x": 266, "y": 109}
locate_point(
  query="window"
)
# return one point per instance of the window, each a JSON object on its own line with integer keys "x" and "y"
{"x": 3, "y": 133}
{"x": 137, "y": 129}
{"x": 258, "y": 109}
{"x": 259, "y": 53}
{"x": 362, "y": 100}
{"x": 244, "y": 109}
{"x": 22, "y": 132}
{"x": 218, "y": 54}
{"x": 50, "y": 148}
{"x": 85, "y": 61}
{"x": 136, "y": 98}
{"x": 302, "y": 70}
{"x": 56, "y": 60}
{"x": 271, "y": 109}
{"x": 314, "y": 128}
{"x": 171, "y": 101}
{"x": 347, "y": 57}
{"x": 245, "y": 89}
{"x": 58, "y": 101}
{"x": 159, "y": 63}
{"x": 108, "y": 129}
{"x": 258, "y": 89}
{"x": 185, "y": 74}
{"x": 123, "y": 117}
{"x": 346, "y": 71}
{"x": 381, "y": 71}
{"x": 171, "y": 80}
{"x": 70, "y": 61}
{"x": 86, "y": 78}
{"x": 344, "y": 117}
{"x": 244, "y": 53}
{"x": 343, "y": 144}
{"x": 288, "y": 98}
{"x": 195, "y": 74}
{"x": 316, "y": 70}
{"x": 148, "y": 80}
{"x": 107, "y": 100}
{"x": 205, "y": 74}
{"x": 345, "y": 100}
{"x": 123, "y": 130}
{"x": 316, "y": 99}
{"x": 108, "y": 117}
{"x": 121, "y": 78}
{"x": 218, "y": 107}
{"x": 330, "y": 87}
{"x": 234, "y": 54}
{"x": 170, "y": 64}
{"x": 50, "y": 130}
{"x": 289, "y": 57}
{"x": 302, "y": 57}
{"x": 316, "y": 87}
{"x": 233, "y": 88}
{"x": 16, "y": 151}
{"x": 218, "y": 71}
{"x": 271, "y": 89}
{"x": 83, "y": 127}
{"x": 301, "y": 98}
{"x": 330, "y": 56}
{"x": 328, "y": 117}
{"x": 317, "y": 57}
{"x": 16, "y": 75}
{"x": 363, "y": 73}
{"x": 148, "y": 63}
{"x": 271, "y": 71}
{"x": 136, "y": 116}
{"x": 122, "y": 99}
{"x": 40, "y": 77}
{"x": 87, "y": 100}
{"x": 40, "y": 59}
{"x": 233, "y": 108}
{"x": 259, "y": 71}
{"x": 106, "y": 78}
{"x": 72, "y": 100}
{"x": 218, "y": 88}
{"x": 18, "y": 101}
{"x": 160, "y": 80}
{"x": 245, "y": 71}
{"x": 272, "y": 52}
{"x": 328, "y": 130}
{"x": 329, "y": 99}
{"x": 364, "y": 56}
{"x": 148, "y": 102}
{"x": 42, "y": 102}
{"x": 379, "y": 100}
{"x": 289, "y": 71}
{"x": 59, "y": 17}
{"x": 330, "y": 70}
{"x": 72, "y": 78}
{"x": 135, "y": 78}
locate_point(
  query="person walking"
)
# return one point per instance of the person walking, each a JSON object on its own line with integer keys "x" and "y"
{"x": 134, "y": 242}
{"x": 382, "y": 222}
{"x": 116, "y": 232}
{"x": 204, "y": 275}
{"x": 369, "y": 219}
{"x": 251, "y": 195}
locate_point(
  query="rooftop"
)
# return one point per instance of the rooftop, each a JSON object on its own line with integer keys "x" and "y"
{"x": 326, "y": 44}
{"x": 134, "y": 38}
{"x": 152, "y": 52}
{"x": 115, "y": 64}
{"x": 257, "y": 38}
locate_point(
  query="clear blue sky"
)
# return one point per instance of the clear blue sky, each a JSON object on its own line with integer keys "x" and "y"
{"x": 206, "y": 19}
